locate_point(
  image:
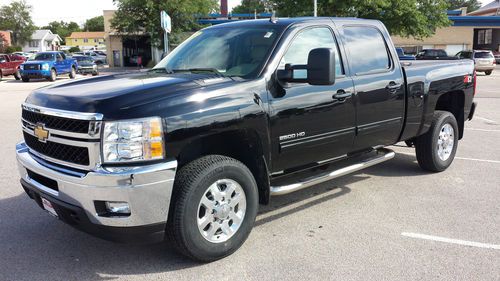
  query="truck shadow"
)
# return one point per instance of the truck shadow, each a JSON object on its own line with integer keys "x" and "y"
{"x": 35, "y": 246}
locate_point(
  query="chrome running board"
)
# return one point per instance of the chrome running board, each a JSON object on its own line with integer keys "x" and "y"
{"x": 383, "y": 154}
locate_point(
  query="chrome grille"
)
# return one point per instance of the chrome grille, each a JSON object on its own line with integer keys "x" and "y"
{"x": 31, "y": 67}
{"x": 73, "y": 137}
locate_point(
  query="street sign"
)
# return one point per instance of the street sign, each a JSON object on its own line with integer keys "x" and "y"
{"x": 166, "y": 22}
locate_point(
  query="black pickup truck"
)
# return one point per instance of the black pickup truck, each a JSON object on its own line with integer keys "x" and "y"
{"x": 236, "y": 114}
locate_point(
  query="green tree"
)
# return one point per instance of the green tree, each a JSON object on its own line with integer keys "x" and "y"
{"x": 471, "y": 5}
{"x": 16, "y": 17}
{"x": 250, "y": 6}
{"x": 62, "y": 28}
{"x": 74, "y": 50}
{"x": 143, "y": 16}
{"x": 415, "y": 18}
{"x": 94, "y": 24}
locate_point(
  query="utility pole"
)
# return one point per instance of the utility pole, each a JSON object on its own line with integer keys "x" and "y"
{"x": 315, "y": 8}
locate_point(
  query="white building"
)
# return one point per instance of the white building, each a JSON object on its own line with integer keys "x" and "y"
{"x": 42, "y": 40}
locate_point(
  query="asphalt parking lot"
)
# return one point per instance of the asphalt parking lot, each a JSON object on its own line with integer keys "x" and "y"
{"x": 390, "y": 222}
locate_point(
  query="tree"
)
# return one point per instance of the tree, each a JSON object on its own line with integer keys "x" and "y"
{"x": 16, "y": 17}
{"x": 251, "y": 6}
{"x": 94, "y": 24}
{"x": 74, "y": 50}
{"x": 143, "y": 16}
{"x": 416, "y": 18}
{"x": 63, "y": 29}
{"x": 471, "y": 5}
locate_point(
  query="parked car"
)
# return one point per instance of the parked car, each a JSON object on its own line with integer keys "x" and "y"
{"x": 403, "y": 56}
{"x": 497, "y": 57}
{"x": 23, "y": 54}
{"x": 86, "y": 65}
{"x": 98, "y": 58}
{"x": 484, "y": 61}
{"x": 188, "y": 150}
{"x": 48, "y": 65}
{"x": 9, "y": 65}
{"x": 433, "y": 54}
{"x": 100, "y": 53}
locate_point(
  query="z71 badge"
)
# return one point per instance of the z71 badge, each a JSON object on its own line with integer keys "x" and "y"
{"x": 293, "y": 136}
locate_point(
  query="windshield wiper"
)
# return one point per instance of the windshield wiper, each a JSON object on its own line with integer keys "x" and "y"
{"x": 161, "y": 70}
{"x": 199, "y": 69}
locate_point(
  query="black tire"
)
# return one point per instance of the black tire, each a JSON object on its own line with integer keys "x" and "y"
{"x": 95, "y": 73}
{"x": 53, "y": 75}
{"x": 426, "y": 144}
{"x": 192, "y": 182}
{"x": 17, "y": 75}
{"x": 1, "y": 75}
{"x": 488, "y": 72}
{"x": 25, "y": 79}
{"x": 72, "y": 73}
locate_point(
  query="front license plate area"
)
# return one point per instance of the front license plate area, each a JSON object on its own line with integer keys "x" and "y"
{"x": 48, "y": 207}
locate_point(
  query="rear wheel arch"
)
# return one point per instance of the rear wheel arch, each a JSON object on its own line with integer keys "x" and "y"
{"x": 242, "y": 145}
{"x": 454, "y": 103}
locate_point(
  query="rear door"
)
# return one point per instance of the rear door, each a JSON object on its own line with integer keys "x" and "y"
{"x": 308, "y": 125}
{"x": 378, "y": 83}
{"x": 59, "y": 64}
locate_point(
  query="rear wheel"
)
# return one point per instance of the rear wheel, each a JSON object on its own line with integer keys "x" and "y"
{"x": 436, "y": 149}
{"x": 213, "y": 208}
{"x": 53, "y": 75}
{"x": 17, "y": 75}
{"x": 1, "y": 75}
{"x": 488, "y": 72}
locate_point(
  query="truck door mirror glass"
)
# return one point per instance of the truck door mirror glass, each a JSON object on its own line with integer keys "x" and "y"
{"x": 2, "y": 60}
{"x": 320, "y": 69}
{"x": 321, "y": 66}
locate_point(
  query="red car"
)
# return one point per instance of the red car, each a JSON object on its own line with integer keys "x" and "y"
{"x": 9, "y": 65}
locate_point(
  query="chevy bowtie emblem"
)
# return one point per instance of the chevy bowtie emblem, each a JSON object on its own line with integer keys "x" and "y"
{"x": 41, "y": 133}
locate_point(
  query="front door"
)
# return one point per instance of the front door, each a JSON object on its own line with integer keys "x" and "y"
{"x": 308, "y": 123}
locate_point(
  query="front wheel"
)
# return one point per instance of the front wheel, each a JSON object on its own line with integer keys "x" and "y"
{"x": 25, "y": 79}
{"x": 72, "y": 73}
{"x": 53, "y": 75}
{"x": 213, "y": 208}
{"x": 17, "y": 75}
{"x": 436, "y": 149}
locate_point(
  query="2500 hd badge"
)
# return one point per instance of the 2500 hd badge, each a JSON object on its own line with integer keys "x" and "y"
{"x": 187, "y": 151}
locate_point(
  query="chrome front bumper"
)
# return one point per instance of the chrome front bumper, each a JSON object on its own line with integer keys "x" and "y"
{"x": 147, "y": 189}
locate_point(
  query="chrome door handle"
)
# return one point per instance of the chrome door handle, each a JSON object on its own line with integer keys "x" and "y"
{"x": 342, "y": 95}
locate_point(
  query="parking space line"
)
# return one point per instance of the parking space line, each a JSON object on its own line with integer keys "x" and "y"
{"x": 460, "y": 158}
{"x": 451, "y": 240}
{"x": 486, "y": 119}
{"x": 482, "y": 130}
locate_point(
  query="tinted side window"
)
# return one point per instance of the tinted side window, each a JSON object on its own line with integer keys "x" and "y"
{"x": 367, "y": 49}
{"x": 307, "y": 40}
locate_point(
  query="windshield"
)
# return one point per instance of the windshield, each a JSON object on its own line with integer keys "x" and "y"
{"x": 43, "y": 56}
{"x": 83, "y": 59}
{"x": 238, "y": 51}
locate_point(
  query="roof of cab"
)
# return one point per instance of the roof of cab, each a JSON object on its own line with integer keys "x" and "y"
{"x": 285, "y": 22}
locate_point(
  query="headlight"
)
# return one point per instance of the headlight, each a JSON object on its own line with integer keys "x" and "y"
{"x": 45, "y": 66}
{"x": 132, "y": 140}
{"x": 21, "y": 67}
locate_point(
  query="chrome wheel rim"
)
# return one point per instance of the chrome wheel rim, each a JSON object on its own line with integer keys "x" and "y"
{"x": 221, "y": 210}
{"x": 445, "y": 142}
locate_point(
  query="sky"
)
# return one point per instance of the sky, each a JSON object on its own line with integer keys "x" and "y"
{"x": 45, "y": 11}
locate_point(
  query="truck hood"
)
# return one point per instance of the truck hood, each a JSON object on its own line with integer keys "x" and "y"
{"x": 120, "y": 96}
{"x": 37, "y": 61}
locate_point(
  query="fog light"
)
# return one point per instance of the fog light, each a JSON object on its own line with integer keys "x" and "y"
{"x": 118, "y": 208}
